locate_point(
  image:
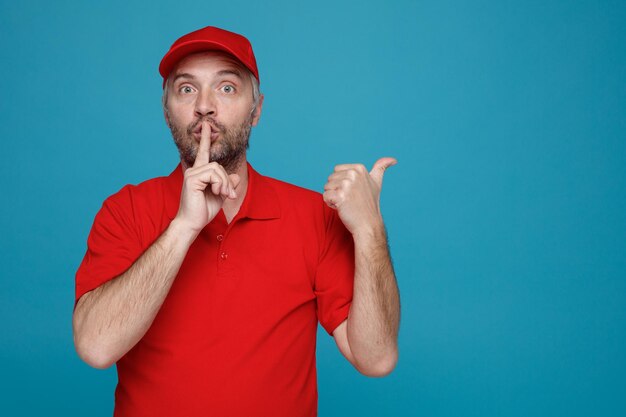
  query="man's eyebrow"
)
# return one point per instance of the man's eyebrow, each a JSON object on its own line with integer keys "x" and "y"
{"x": 220, "y": 73}
{"x": 182, "y": 75}
{"x": 233, "y": 71}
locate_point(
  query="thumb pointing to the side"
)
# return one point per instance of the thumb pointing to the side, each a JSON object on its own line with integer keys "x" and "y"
{"x": 378, "y": 170}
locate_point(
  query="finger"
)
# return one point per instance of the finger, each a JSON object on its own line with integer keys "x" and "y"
{"x": 332, "y": 198}
{"x": 330, "y": 186}
{"x": 203, "y": 155}
{"x": 216, "y": 187}
{"x": 337, "y": 184}
{"x": 214, "y": 180}
{"x": 378, "y": 170}
{"x": 339, "y": 175}
{"x": 225, "y": 186}
{"x": 214, "y": 175}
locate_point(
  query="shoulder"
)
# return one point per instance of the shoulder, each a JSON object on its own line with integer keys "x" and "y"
{"x": 141, "y": 206}
{"x": 306, "y": 204}
{"x": 139, "y": 209}
{"x": 131, "y": 194}
{"x": 286, "y": 189}
{"x": 296, "y": 199}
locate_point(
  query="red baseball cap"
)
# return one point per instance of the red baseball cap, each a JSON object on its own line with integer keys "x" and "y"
{"x": 209, "y": 38}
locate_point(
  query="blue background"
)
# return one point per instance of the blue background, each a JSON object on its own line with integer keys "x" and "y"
{"x": 506, "y": 212}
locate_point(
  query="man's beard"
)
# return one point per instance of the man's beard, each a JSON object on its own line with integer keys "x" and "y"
{"x": 229, "y": 151}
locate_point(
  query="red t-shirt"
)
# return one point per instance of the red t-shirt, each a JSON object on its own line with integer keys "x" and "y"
{"x": 236, "y": 333}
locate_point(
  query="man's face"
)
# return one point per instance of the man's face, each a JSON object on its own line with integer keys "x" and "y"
{"x": 211, "y": 86}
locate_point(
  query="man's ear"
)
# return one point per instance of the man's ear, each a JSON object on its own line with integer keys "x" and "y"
{"x": 167, "y": 117}
{"x": 257, "y": 112}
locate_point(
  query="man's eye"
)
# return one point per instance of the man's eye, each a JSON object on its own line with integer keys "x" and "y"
{"x": 228, "y": 89}
{"x": 186, "y": 89}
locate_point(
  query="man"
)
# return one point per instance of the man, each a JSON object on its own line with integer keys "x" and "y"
{"x": 205, "y": 287}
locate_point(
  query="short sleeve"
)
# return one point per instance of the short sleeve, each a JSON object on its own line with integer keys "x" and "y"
{"x": 112, "y": 246}
{"x": 334, "y": 279}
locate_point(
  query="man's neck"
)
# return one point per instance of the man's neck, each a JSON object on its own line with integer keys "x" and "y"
{"x": 231, "y": 207}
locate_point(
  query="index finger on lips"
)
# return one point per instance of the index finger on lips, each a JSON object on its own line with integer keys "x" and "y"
{"x": 203, "y": 155}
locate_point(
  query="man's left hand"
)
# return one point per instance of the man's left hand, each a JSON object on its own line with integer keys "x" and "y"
{"x": 355, "y": 194}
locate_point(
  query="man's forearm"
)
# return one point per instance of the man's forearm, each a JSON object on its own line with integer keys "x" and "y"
{"x": 373, "y": 322}
{"x": 112, "y": 318}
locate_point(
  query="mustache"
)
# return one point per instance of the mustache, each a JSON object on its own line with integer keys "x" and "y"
{"x": 215, "y": 125}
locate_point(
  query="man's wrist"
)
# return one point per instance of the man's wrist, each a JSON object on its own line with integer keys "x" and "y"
{"x": 371, "y": 232}
{"x": 181, "y": 232}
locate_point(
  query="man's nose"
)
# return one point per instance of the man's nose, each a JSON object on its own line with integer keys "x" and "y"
{"x": 205, "y": 104}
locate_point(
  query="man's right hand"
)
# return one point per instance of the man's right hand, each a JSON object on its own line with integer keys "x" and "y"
{"x": 205, "y": 187}
{"x": 109, "y": 320}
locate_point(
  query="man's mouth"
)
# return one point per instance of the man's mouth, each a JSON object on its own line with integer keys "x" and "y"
{"x": 197, "y": 133}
